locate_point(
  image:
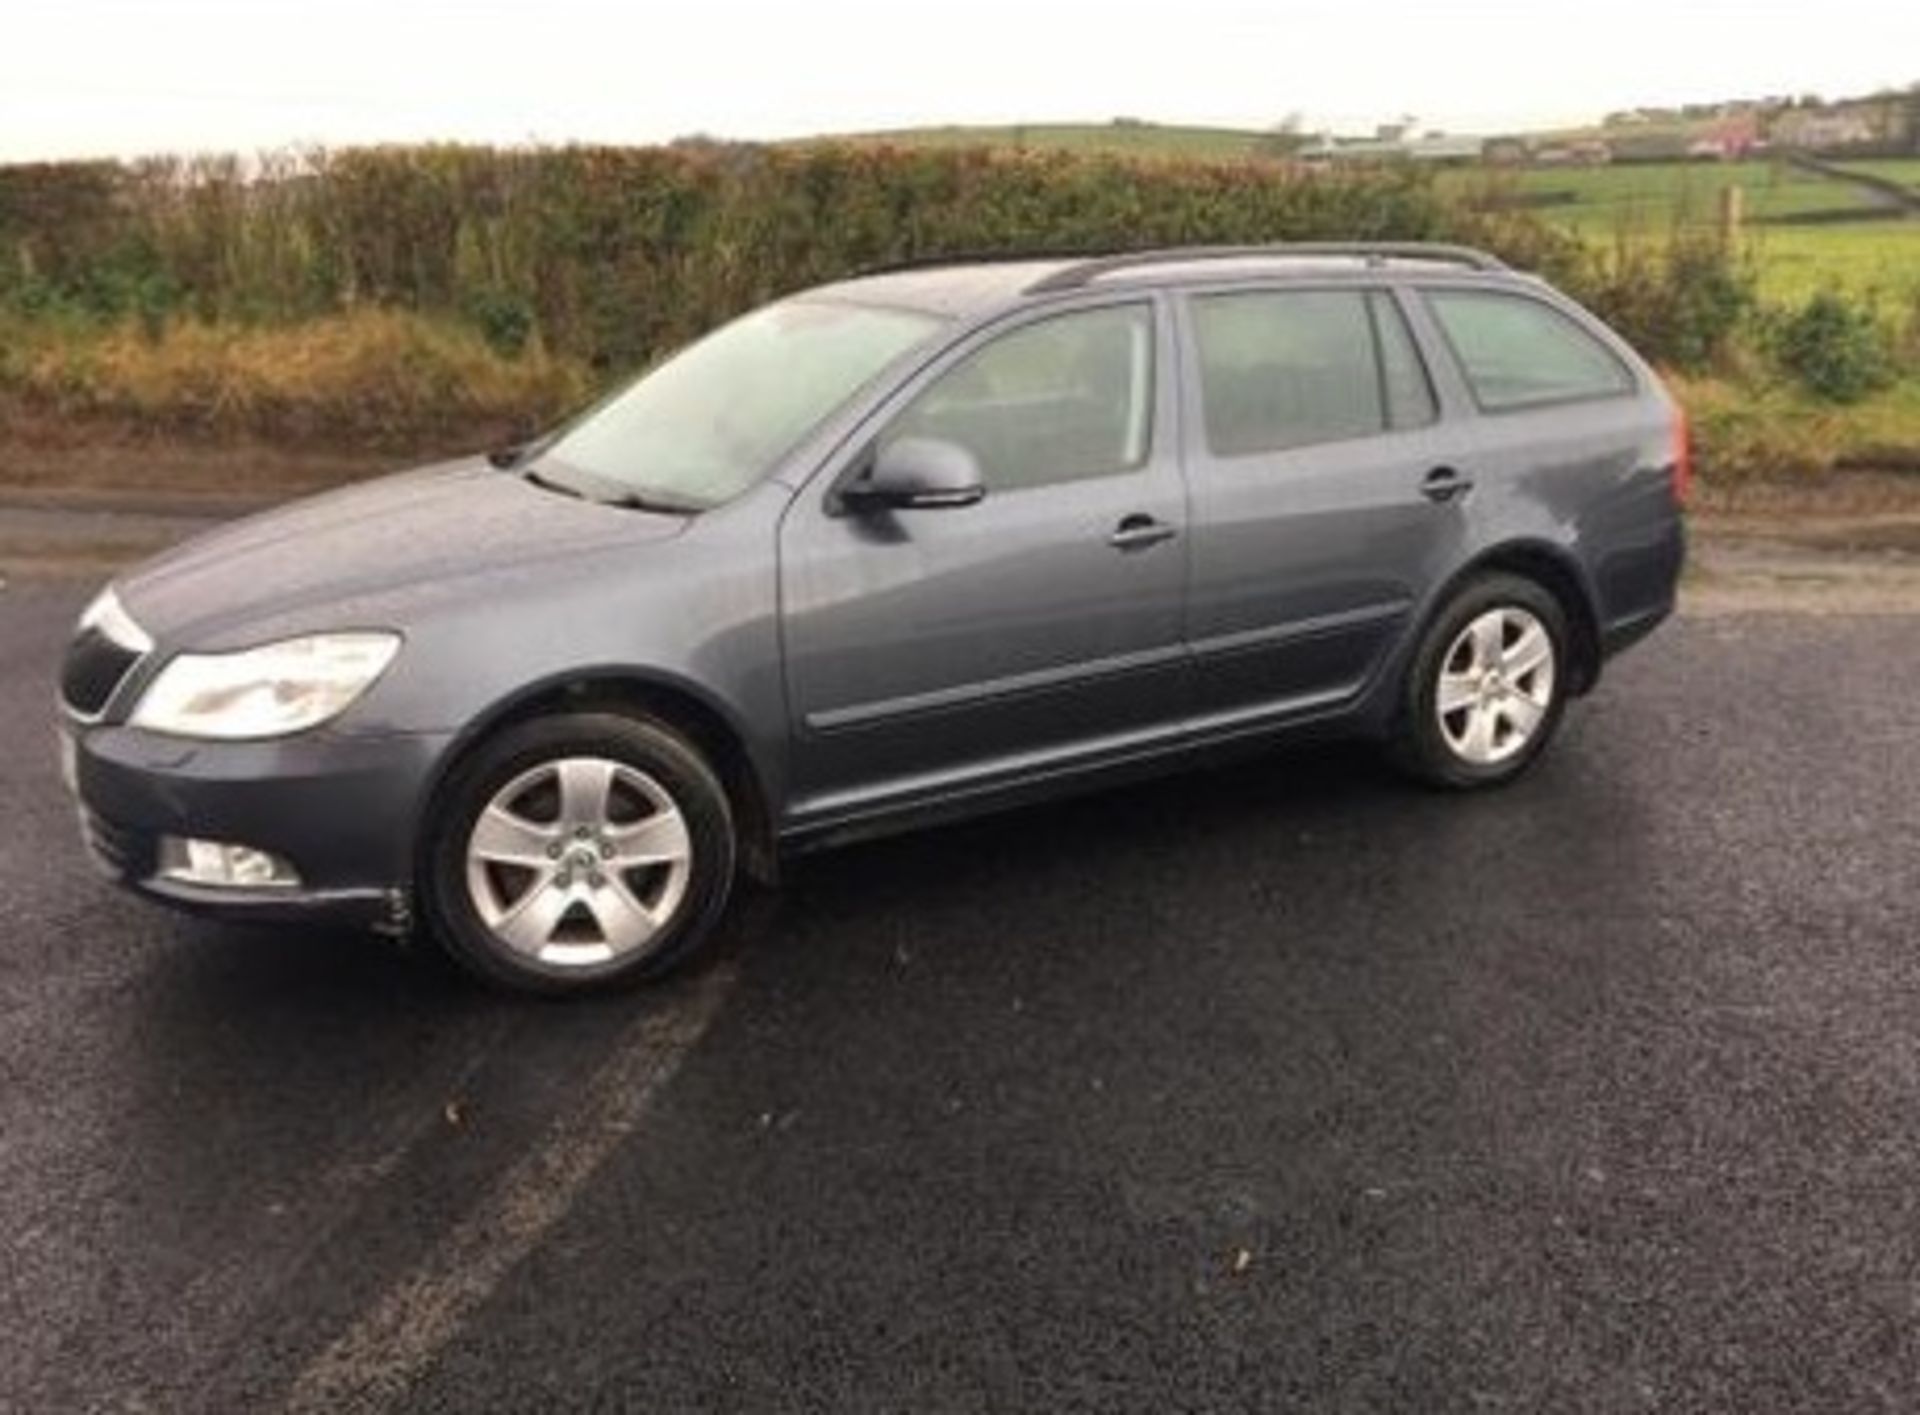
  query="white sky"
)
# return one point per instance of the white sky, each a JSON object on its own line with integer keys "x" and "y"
{"x": 123, "y": 77}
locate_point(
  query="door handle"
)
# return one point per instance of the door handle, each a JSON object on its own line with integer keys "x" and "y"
{"x": 1444, "y": 483}
{"x": 1138, "y": 530}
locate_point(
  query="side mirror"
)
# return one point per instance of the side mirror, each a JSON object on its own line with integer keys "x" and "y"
{"x": 917, "y": 472}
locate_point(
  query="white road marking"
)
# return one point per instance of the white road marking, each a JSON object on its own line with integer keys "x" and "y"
{"x": 372, "y": 1365}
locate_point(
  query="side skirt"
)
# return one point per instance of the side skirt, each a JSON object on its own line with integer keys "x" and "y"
{"x": 1135, "y": 757}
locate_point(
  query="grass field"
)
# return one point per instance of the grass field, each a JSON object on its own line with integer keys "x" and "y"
{"x": 1878, "y": 259}
{"x": 1654, "y": 198}
{"x": 1870, "y": 255}
{"x": 1904, "y": 170}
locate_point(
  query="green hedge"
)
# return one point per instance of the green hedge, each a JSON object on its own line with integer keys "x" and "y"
{"x": 611, "y": 254}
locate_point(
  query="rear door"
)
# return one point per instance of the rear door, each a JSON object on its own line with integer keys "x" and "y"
{"x": 933, "y": 650}
{"x": 1578, "y": 439}
{"x": 1322, "y": 504}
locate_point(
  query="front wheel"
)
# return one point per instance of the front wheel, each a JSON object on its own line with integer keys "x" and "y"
{"x": 1487, "y": 685}
{"x": 578, "y": 852}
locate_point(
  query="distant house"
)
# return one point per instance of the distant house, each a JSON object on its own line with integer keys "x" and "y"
{"x": 1392, "y": 143}
{"x": 1728, "y": 138}
{"x": 1821, "y": 128}
{"x": 1444, "y": 147}
{"x": 1669, "y": 146}
{"x": 1581, "y": 152}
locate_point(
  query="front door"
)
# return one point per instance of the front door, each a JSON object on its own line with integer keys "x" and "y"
{"x": 935, "y": 650}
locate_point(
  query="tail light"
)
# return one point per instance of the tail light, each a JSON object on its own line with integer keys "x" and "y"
{"x": 1682, "y": 458}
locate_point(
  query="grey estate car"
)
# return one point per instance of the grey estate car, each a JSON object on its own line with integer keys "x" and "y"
{"x": 927, "y": 541}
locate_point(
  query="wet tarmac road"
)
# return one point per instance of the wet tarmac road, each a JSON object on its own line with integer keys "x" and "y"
{"x": 1278, "y": 1086}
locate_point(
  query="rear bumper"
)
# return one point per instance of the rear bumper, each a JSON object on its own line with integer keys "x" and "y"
{"x": 1640, "y": 585}
{"x": 1624, "y": 634}
{"x": 342, "y": 810}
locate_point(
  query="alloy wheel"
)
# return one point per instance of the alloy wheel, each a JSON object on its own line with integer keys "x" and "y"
{"x": 1496, "y": 685}
{"x": 579, "y": 861}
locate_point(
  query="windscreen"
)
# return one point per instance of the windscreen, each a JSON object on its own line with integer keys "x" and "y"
{"x": 712, "y": 420}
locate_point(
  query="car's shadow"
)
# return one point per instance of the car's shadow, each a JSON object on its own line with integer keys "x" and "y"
{"x": 1172, "y": 830}
{"x": 250, "y": 1033}
{"x": 1253, "y": 864}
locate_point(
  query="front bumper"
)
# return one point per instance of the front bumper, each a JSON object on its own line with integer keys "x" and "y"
{"x": 344, "y": 810}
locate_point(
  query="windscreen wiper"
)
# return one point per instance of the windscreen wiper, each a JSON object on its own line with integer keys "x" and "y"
{"x": 626, "y": 500}
{"x": 639, "y": 501}
{"x": 549, "y": 484}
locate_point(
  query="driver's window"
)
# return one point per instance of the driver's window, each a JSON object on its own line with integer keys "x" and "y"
{"x": 1059, "y": 400}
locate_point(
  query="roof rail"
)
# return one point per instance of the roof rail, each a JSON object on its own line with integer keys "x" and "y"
{"x": 933, "y": 260}
{"x": 1073, "y": 277}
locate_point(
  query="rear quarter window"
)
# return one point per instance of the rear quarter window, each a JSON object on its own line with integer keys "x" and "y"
{"x": 1516, "y": 351}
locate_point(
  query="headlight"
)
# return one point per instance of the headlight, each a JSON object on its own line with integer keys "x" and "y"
{"x": 264, "y": 692}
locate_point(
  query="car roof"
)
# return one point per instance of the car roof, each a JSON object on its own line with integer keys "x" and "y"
{"x": 957, "y": 288}
{"x": 966, "y": 286}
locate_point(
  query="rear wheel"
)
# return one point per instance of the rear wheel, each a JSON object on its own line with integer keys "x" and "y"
{"x": 1487, "y": 684}
{"x": 579, "y": 852}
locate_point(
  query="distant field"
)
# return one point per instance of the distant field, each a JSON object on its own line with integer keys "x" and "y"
{"x": 1126, "y": 139}
{"x": 1656, "y": 197}
{"x": 1879, "y": 258}
{"x": 1652, "y": 200}
{"x": 1904, "y": 170}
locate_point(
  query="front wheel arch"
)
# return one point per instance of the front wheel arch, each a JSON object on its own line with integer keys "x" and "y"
{"x": 635, "y": 694}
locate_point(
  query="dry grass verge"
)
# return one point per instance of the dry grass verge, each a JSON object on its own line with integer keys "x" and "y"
{"x": 366, "y": 380}
{"x": 1763, "y": 431}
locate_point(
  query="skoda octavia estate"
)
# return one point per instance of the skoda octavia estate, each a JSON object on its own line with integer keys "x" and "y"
{"x": 927, "y": 541}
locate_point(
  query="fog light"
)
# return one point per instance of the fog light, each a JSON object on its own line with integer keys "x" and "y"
{"x": 214, "y": 862}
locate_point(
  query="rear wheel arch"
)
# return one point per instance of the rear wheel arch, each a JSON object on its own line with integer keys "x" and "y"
{"x": 1555, "y": 570}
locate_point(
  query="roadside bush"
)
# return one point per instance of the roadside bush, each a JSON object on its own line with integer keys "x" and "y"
{"x": 505, "y": 321}
{"x": 1836, "y": 349}
{"x": 1683, "y": 302}
{"x": 1743, "y": 433}
{"x": 1771, "y": 429}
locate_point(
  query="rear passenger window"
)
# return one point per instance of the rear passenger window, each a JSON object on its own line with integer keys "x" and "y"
{"x": 1058, "y": 400}
{"x": 1287, "y": 368}
{"x": 1516, "y": 351}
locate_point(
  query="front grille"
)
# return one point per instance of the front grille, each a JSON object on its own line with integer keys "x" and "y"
{"x": 94, "y": 667}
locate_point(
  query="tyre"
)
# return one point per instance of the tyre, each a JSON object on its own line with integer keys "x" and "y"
{"x": 1486, "y": 686}
{"x": 578, "y": 853}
